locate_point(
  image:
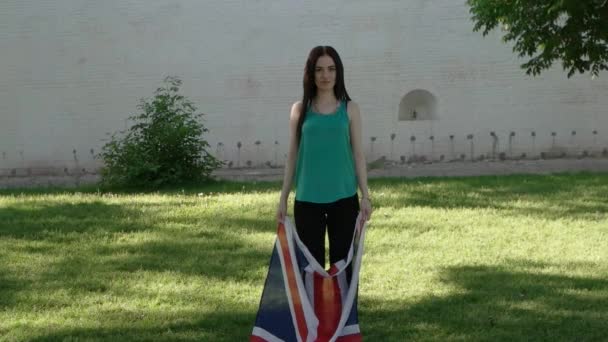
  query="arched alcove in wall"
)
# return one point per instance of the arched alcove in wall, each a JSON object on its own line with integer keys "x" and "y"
{"x": 417, "y": 105}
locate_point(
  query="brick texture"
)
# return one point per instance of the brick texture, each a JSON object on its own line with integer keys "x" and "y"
{"x": 71, "y": 72}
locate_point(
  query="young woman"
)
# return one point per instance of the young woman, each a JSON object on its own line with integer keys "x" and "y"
{"x": 326, "y": 156}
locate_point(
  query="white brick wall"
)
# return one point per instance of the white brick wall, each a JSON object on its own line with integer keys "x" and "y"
{"x": 72, "y": 71}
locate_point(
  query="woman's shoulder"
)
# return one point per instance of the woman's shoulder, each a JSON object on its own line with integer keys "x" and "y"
{"x": 296, "y": 109}
{"x": 352, "y": 108}
{"x": 297, "y": 105}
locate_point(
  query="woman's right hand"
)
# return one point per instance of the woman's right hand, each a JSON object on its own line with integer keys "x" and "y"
{"x": 281, "y": 210}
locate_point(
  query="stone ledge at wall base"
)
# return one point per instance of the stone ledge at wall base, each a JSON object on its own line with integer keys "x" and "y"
{"x": 41, "y": 177}
{"x": 443, "y": 169}
{"x": 43, "y": 181}
{"x": 46, "y": 171}
{"x": 493, "y": 167}
{"x": 20, "y": 178}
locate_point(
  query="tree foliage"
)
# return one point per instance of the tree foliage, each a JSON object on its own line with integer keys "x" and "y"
{"x": 573, "y": 31}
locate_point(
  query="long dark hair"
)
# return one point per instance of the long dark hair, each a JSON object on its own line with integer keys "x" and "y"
{"x": 310, "y": 88}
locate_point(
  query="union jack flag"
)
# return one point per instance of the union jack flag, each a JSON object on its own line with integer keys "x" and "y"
{"x": 301, "y": 300}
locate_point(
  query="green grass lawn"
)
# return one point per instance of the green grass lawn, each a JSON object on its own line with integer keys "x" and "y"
{"x": 477, "y": 259}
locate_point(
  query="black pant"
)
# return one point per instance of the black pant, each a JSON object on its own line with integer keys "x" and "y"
{"x": 340, "y": 218}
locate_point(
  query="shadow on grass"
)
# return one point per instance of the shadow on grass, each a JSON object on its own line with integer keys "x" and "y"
{"x": 222, "y": 252}
{"x": 8, "y": 283}
{"x": 220, "y": 326}
{"x": 518, "y": 301}
{"x": 39, "y": 219}
{"x": 558, "y": 196}
{"x": 213, "y": 186}
{"x": 92, "y": 272}
{"x": 514, "y": 302}
{"x": 88, "y": 249}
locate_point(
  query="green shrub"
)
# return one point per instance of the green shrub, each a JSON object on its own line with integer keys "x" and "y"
{"x": 165, "y": 145}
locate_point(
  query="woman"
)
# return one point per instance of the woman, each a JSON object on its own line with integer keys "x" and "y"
{"x": 326, "y": 155}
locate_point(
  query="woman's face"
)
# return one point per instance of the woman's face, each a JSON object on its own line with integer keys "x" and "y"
{"x": 325, "y": 73}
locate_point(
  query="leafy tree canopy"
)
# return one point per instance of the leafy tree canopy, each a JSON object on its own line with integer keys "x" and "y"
{"x": 573, "y": 31}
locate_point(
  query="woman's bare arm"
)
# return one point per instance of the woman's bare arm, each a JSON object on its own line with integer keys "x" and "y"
{"x": 292, "y": 156}
{"x": 354, "y": 115}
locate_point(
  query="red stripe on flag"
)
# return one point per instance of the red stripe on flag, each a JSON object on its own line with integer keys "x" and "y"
{"x": 333, "y": 270}
{"x": 291, "y": 282}
{"x": 254, "y": 338}
{"x": 350, "y": 338}
{"x": 328, "y": 306}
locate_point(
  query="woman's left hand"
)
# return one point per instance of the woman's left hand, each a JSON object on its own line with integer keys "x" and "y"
{"x": 366, "y": 208}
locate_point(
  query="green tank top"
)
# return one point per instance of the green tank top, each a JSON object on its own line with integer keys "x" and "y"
{"x": 325, "y": 169}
